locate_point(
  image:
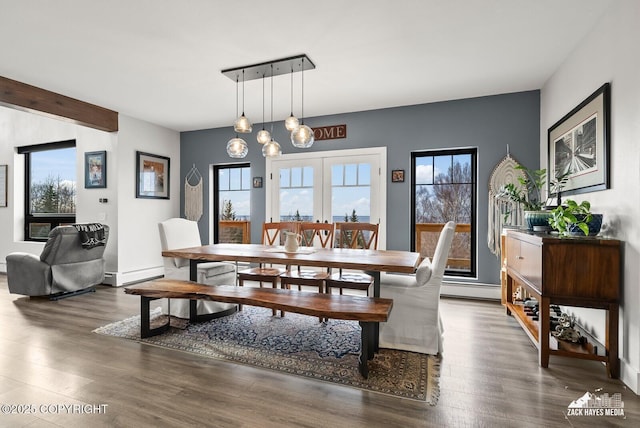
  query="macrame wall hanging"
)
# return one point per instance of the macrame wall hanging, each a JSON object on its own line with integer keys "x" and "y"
{"x": 193, "y": 194}
{"x": 504, "y": 172}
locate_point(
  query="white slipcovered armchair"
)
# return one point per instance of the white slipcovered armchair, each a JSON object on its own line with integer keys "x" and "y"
{"x": 177, "y": 233}
{"x": 414, "y": 323}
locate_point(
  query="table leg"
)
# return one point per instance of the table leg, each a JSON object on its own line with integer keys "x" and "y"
{"x": 376, "y": 327}
{"x": 193, "y": 304}
{"x": 367, "y": 337}
{"x": 145, "y": 321}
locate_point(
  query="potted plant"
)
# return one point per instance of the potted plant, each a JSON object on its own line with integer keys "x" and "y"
{"x": 529, "y": 195}
{"x": 571, "y": 219}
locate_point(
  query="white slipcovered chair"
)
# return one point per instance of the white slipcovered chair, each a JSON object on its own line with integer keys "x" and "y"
{"x": 177, "y": 233}
{"x": 414, "y": 323}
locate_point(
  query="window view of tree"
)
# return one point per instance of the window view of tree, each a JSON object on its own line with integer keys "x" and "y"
{"x": 233, "y": 203}
{"x": 51, "y": 194}
{"x": 444, "y": 186}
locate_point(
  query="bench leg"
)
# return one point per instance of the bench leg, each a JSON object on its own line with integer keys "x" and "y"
{"x": 145, "y": 322}
{"x": 367, "y": 346}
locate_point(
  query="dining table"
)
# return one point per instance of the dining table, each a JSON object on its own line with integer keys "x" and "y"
{"x": 373, "y": 262}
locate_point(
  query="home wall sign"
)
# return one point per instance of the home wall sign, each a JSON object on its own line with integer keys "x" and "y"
{"x": 332, "y": 132}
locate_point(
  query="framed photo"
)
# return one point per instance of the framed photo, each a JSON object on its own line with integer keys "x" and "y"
{"x": 3, "y": 185}
{"x": 579, "y": 145}
{"x": 257, "y": 182}
{"x": 95, "y": 170}
{"x": 397, "y": 176}
{"x": 152, "y": 176}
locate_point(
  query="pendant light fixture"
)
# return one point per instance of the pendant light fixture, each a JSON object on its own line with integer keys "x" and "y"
{"x": 272, "y": 148}
{"x": 242, "y": 124}
{"x": 263, "y": 136}
{"x": 302, "y": 136}
{"x": 291, "y": 122}
{"x": 237, "y": 147}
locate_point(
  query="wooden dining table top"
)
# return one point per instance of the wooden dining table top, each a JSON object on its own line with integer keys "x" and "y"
{"x": 346, "y": 258}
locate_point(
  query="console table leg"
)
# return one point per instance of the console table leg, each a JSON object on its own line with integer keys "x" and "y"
{"x": 611, "y": 341}
{"x": 543, "y": 331}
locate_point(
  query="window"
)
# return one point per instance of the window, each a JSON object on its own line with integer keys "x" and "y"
{"x": 232, "y": 203}
{"x": 50, "y": 187}
{"x": 444, "y": 189}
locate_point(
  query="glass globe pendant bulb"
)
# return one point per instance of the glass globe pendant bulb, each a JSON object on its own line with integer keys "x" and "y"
{"x": 271, "y": 149}
{"x": 291, "y": 123}
{"x": 263, "y": 136}
{"x": 237, "y": 148}
{"x": 302, "y": 137}
{"x": 242, "y": 125}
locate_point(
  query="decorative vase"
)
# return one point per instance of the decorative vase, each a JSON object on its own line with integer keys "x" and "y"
{"x": 594, "y": 225}
{"x": 538, "y": 221}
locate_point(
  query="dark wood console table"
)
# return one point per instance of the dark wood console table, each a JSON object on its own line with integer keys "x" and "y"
{"x": 581, "y": 272}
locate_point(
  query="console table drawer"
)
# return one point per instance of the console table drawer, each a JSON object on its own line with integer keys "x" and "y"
{"x": 525, "y": 258}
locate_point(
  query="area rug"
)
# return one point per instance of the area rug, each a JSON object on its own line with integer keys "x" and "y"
{"x": 296, "y": 344}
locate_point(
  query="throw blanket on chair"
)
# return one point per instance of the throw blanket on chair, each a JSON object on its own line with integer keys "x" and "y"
{"x": 91, "y": 235}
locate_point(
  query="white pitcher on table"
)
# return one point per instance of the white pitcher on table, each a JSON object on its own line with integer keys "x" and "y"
{"x": 291, "y": 242}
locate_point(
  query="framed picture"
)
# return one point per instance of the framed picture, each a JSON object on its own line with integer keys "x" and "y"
{"x": 579, "y": 145}
{"x": 152, "y": 176}
{"x": 95, "y": 170}
{"x": 397, "y": 176}
{"x": 257, "y": 182}
{"x": 3, "y": 185}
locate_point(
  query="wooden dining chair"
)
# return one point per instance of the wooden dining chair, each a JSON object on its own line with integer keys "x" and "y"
{"x": 353, "y": 235}
{"x": 271, "y": 235}
{"x": 312, "y": 235}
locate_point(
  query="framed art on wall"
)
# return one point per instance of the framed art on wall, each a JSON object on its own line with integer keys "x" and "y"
{"x": 95, "y": 170}
{"x": 152, "y": 176}
{"x": 579, "y": 145}
{"x": 397, "y": 176}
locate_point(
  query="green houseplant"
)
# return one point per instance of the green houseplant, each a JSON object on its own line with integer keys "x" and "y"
{"x": 529, "y": 195}
{"x": 572, "y": 218}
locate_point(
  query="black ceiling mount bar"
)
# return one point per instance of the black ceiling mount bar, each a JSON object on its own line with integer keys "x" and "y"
{"x": 280, "y": 66}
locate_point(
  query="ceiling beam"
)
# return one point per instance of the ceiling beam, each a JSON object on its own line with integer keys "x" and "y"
{"x": 20, "y": 96}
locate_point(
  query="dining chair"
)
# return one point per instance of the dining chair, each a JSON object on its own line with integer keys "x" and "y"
{"x": 415, "y": 324}
{"x": 176, "y": 233}
{"x": 272, "y": 234}
{"x": 311, "y": 235}
{"x": 353, "y": 235}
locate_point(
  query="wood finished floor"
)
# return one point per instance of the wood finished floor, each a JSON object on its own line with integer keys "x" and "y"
{"x": 490, "y": 377}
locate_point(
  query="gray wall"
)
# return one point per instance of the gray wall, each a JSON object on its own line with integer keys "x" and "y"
{"x": 488, "y": 123}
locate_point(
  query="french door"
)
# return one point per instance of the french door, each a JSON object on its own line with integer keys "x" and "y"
{"x": 331, "y": 186}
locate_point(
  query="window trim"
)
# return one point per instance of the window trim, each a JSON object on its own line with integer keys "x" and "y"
{"x": 216, "y": 190}
{"x": 54, "y": 219}
{"x": 473, "y": 151}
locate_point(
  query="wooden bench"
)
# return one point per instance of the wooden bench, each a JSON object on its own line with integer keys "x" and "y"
{"x": 367, "y": 311}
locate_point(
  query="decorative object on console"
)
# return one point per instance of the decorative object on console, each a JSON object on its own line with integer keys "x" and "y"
{"x": 573, "y": 219}
{"x": 579, "y": 144}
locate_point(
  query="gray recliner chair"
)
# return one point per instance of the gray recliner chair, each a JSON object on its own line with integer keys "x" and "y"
{"x": 71, "y": 263}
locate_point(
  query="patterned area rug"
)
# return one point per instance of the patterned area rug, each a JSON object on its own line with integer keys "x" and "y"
{"x": 296, "y": 344}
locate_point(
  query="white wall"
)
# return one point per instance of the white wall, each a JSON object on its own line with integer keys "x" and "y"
{"x": 609, "y": 54}
{"x": 18, "y": 128}
{"x": 138, "y": 239}
{"x": 133, "y": 250}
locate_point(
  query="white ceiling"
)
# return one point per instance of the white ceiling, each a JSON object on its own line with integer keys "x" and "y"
{"x": 160, "y": 60}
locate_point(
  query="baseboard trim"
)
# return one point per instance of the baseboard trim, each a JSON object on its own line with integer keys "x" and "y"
{"x": 119, "y": 279}
{"x": 630, "y": 376}
{"x": 469, "y": 290}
